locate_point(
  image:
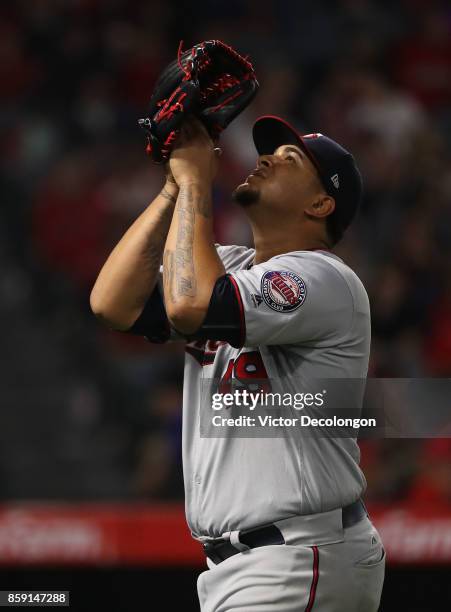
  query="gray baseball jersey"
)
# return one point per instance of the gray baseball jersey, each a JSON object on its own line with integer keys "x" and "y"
{"x": 305, "y": 315}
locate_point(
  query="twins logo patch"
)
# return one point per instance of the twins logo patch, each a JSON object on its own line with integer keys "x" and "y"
{"x": 283, "y": 291}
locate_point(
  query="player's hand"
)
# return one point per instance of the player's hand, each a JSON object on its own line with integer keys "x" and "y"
{"x": 195, "y": 158}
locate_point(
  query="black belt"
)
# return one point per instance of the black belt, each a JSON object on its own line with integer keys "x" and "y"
{"x": 221, "y": 549}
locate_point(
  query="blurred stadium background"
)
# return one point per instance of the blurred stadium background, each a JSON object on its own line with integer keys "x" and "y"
{"x": 90, "y": 466}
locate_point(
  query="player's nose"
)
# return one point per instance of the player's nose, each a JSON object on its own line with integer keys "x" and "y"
{"x": 264, "y": 161}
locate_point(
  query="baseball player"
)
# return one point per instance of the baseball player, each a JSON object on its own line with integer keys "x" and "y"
{"x": 282, "y": 524}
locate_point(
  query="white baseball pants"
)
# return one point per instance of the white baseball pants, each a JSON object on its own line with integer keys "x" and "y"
{"x": 344, "y": 576}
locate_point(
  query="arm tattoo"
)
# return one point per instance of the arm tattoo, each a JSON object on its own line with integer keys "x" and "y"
{"x": 168, "y": 274}
{"x": 179, "y": 277}
{"x": 185, "y": 280}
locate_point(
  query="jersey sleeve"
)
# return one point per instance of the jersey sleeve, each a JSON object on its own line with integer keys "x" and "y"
{"x": 222, "y": 321}
{"x": 298, "y": 298}
{"x": 153, "y": 322}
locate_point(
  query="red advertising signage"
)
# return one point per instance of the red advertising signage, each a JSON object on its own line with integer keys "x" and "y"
{"x": 86, "y": 534}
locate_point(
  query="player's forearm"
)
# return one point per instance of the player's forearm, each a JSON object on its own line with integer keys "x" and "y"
{"x": 191, "y": 264}
{"x": 130, "y": 273}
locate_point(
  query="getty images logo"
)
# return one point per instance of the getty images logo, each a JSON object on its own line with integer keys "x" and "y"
{"x": 335, "y": 180}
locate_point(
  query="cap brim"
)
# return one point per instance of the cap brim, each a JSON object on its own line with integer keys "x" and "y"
{"x": 270, "y": 132}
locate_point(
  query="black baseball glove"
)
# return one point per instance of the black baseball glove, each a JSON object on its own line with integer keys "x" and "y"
{"x": 211, "y": 81}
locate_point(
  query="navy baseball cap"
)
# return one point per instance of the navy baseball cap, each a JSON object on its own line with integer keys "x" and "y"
{"x": 336, "y": 167}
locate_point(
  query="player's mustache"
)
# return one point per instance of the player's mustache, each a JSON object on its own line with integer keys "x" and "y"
{"x": 258, "y": 172}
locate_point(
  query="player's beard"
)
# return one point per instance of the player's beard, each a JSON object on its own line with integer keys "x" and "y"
{"x": 245, "y": 195}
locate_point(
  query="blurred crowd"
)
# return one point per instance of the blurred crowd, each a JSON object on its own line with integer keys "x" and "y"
{"x": 92, "y": 414}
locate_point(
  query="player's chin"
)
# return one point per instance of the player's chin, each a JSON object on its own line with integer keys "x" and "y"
{"x": 245, "y": 194}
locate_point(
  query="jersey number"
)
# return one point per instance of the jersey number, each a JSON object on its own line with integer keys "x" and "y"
{"x": 249, "y": 370}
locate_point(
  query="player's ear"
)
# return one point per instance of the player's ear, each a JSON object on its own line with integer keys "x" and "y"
{"x": 322, "y": 206}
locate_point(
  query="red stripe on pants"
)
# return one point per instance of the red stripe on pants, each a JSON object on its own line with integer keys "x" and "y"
{"x": 311, "y": 599}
